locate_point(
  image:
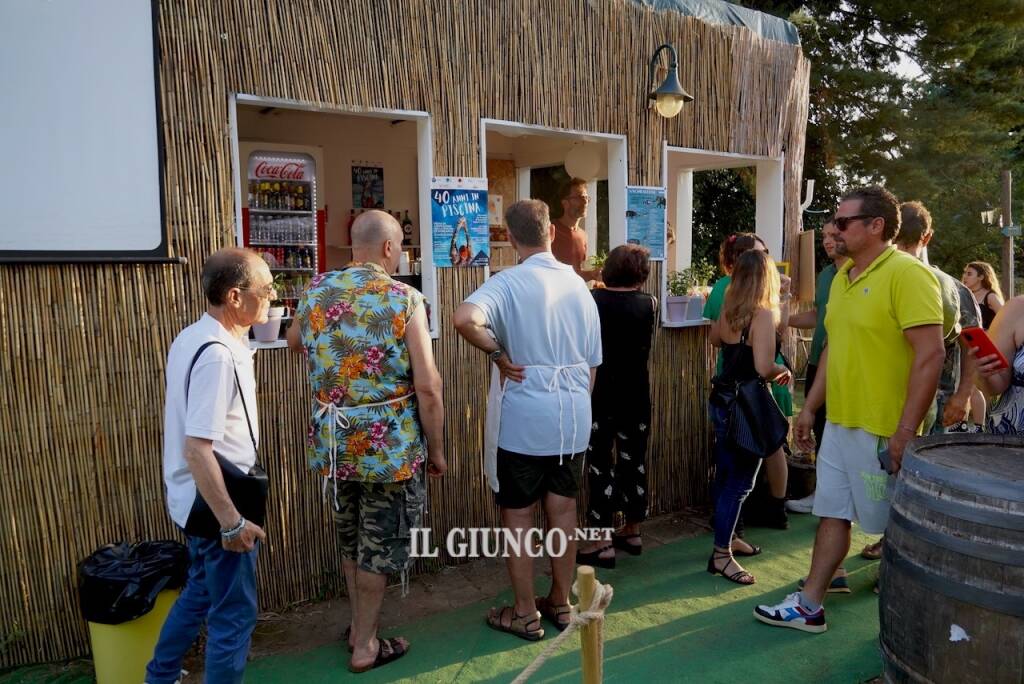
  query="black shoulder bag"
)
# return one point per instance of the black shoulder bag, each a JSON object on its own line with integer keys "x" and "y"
{"x": 248, "y": 491}
{"x": 757, "y": 426}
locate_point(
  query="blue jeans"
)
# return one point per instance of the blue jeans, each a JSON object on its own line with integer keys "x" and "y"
{"x": 734, "y": 478}
{"x": 221, "y": 591}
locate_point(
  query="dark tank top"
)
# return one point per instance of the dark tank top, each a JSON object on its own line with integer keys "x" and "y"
{"x": 987, "y": 314}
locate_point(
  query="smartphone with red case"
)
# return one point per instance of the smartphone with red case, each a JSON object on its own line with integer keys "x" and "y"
{"x": 979, "y": 339}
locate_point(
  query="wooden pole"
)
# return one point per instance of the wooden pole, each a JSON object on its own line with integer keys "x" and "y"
{"x": 1007, "y": 216}
{"x": 590, "y": 635}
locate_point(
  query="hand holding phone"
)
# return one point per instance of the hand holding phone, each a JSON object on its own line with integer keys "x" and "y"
{"x": 978, "y": 339}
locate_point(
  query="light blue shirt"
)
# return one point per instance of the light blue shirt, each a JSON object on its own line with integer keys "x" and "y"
{"x": 545, "y": 318}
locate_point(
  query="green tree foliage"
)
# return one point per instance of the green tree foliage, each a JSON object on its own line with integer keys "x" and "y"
{"x": 924, "y": 97}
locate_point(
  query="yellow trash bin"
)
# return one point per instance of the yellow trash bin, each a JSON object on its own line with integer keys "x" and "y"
{"x": 121, "y": 652}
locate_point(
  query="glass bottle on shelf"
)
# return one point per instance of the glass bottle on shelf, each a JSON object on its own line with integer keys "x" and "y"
{"x": 407, "y": 229}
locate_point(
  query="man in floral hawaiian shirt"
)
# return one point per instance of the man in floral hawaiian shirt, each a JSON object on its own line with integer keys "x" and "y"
{"x": 377, "y": 418}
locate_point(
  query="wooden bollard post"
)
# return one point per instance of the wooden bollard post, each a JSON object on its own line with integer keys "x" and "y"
{"x": 590, "y": 635}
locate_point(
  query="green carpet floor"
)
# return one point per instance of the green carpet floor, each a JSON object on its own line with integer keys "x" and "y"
{"x": 670, "y": 621}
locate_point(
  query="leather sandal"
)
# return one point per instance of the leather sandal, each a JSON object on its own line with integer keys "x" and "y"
{"x": 621, "y": 542}
{"x": 519, "y": 625}
{"x": 754, "y": 549}
{"x": 739, "y": 577}
{"x": 388, "y": 651}
{"x": 555, "y": 612}
{"x": 872, "y": 551}
{"x": 593, "y": 558}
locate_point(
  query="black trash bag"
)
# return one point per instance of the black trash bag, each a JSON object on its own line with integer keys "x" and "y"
{"x": 120, "y": 582}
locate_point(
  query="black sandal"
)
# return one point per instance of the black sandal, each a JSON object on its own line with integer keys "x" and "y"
{"x": 754, "y": 549}
{"x": 619, "y": 542}
{"x": 593, "y": 558}
{"x": 388, "y": 651}
{"x": 738, "y": 577}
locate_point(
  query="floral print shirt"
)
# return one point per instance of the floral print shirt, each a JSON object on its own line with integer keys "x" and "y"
{"x": 352, "y": 324}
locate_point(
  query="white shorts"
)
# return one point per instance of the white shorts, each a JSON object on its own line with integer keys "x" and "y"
{"x": 851, "y": 482}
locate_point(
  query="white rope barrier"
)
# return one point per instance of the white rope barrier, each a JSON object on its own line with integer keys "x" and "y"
{"x": 602, "y": 597}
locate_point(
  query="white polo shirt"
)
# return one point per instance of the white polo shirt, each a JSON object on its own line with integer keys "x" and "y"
{"x": 214, "y": 408}
{"x": 544, "y": 316}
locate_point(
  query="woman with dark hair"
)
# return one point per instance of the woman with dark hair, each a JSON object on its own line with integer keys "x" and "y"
{"x": 746, "y": 332}
{"x": 621, "y": 406}
{"x": 980, "y": 278}
{"x": 773, "y": 514}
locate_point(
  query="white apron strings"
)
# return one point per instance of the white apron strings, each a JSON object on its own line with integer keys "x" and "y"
{"x": 338, "y": 419}
{"x": 492, "y": 423}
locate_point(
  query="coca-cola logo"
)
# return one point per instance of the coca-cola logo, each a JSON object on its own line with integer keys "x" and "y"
{"x": 288, "y": 171}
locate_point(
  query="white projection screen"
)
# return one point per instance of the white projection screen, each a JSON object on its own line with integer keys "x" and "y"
{"x": 80, "y": 137}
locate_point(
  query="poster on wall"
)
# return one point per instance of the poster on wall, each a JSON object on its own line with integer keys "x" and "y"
{"x": 645, "y": 219}
{"x": 459, "y": 221}
{"x": 367, "y": 186}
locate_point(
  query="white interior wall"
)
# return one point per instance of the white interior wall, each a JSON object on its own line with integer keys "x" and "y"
{"x": 344, "y": 139}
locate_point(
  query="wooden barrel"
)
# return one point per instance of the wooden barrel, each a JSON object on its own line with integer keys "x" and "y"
{"x": 951, "y": 605}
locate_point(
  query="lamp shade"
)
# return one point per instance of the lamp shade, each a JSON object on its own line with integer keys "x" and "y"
{"x": 583, "y": 161}
{"x": 670, "y": 95}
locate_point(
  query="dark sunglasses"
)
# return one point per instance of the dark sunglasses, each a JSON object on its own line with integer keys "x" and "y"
{"x": 843, "y": 222}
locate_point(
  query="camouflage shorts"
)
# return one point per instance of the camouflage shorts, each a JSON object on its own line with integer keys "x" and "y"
{"x": 374, "y": 519}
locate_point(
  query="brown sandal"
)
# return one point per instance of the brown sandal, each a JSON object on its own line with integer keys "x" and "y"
{"x": 518, "y": 625}
{"x": 873, "y": 551}
{"x": 388, "y": 651}
{"x": 554, "y": 612}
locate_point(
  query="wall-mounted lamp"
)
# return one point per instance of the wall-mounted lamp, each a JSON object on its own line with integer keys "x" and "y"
{"x": 670, "y": 96}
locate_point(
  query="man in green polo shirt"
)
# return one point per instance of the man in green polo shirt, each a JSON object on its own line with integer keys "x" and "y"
{"x": 882, "y": 366}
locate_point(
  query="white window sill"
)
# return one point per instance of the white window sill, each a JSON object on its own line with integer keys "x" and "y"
{"x": 686, "y": 324}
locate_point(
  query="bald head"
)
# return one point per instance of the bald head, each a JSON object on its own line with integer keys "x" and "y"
{"x": 372, "y": 229}
{"x": 227, "y": 268}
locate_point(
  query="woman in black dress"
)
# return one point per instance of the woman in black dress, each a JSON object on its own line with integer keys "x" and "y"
{"x": 621, "y": 406}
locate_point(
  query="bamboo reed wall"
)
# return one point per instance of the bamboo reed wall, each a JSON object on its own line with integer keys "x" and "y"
{"x": 82, "y": 347}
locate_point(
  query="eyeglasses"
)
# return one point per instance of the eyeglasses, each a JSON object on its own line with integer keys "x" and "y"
{"x": 842, "y": 222}
{"x": 579, "y": 198}
{"x": 266, "y": 292}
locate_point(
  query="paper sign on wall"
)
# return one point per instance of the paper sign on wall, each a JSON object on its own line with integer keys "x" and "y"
{"x": 645, "y": 219}
{"x": 459, "y": 221}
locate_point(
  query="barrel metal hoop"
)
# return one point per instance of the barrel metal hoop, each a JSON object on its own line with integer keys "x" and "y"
{"x": 963, "y": 480}
{"x": 897, "y": 666}
{"x": 983, "y": 516}
{"x": 996, "y": 602}
{"x": 989, "y": 552}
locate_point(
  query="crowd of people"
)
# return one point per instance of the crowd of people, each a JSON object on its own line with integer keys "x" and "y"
{"x": 569, "y": 396}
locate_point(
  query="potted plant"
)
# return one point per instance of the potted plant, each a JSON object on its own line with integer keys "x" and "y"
{"x": 269, "y": 331}
{"x": 686, "y": 292}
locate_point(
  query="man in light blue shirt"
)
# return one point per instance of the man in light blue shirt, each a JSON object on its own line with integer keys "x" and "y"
{"x": 539, "y": 324}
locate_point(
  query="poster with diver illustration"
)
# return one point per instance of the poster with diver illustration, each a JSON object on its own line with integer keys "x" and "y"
{"x": 459, "y": 221}
{"x": 645, "y": 219}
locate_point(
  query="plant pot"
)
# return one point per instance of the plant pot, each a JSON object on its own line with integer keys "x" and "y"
{"x": 269, "y": 331}
{"x": 675, "y": 308}
{"x": 802, "y": 479}
{"x": 695, "y": 308}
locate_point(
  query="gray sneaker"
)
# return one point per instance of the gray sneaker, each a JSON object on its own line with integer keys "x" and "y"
{"x": 803, "y": 505}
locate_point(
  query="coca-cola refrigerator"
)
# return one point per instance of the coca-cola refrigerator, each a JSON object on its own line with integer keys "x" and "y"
{"x": 283, "y": 216}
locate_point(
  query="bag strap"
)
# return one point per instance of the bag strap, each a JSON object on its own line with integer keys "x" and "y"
{"x": 238, "y": 384}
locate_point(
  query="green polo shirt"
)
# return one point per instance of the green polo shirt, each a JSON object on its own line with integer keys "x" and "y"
{"x": 869, "y": 358}
{"x": 712, "y": 310}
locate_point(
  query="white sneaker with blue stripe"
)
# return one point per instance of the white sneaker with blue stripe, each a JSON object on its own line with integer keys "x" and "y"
{"x": 789, "y": 613}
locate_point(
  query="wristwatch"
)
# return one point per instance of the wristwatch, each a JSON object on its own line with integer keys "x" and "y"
{"x": 496, "y": 354}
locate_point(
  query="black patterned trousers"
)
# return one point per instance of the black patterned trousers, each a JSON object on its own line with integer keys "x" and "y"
{"x": 616, "y": 467}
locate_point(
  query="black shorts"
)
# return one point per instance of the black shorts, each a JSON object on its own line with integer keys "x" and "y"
{"x": 523, "y": 480}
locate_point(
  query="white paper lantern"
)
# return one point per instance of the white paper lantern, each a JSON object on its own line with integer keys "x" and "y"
{"x": 583, "y": 161}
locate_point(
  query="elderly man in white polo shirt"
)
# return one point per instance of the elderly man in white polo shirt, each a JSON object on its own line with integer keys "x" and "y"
{"x": 539, "y": 324}
{"x": 211, "y": 432}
